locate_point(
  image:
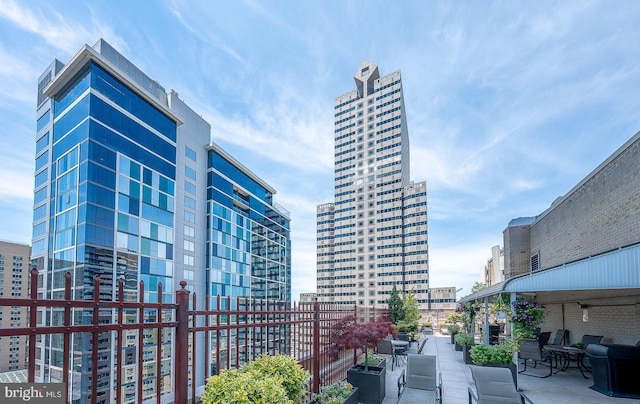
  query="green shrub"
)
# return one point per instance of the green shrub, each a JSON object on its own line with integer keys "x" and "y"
{"x": 373, "y": 359}
{"x": 268, "y": 379}
{"x": 494, "y": 354}
{"x": 453, "y": 328}
{"x": 334, "y": 393}
{"x": 241, "y": 387}
{"x": 427, "y": 324}
{"x": 464, "y": 338}
{"x": 294, "y": 378}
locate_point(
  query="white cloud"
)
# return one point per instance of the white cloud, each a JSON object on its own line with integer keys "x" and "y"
{"x": 56, "y": 29}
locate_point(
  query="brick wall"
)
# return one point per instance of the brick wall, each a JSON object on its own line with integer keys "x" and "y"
{"x": 600, "y": 214}
{"x": 615, "y": 318}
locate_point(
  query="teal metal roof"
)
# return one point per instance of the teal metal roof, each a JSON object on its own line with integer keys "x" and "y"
{"x": 616, "y": 269}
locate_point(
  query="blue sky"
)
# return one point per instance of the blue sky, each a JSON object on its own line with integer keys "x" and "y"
{"x": 509, "y": 104}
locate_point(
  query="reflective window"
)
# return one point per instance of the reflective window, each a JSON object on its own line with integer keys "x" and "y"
{"x": 190, "y": 188}
{"x": 42, "y": 161}
{"x": 190, "y": 173}
{"x": 42, "y": 143}
{"x": 190, "y": 153}
{"x": 190, "y": 203}
{"x": 41, "y": 178}
{"x": 189, "y": 231}
{"x": 43, "y": 120}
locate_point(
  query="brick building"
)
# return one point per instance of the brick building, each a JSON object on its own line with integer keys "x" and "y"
{"x": 581, "y": 256}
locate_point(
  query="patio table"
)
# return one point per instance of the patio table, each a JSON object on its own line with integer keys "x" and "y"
{"x": 399, "y": 345}
{"x": 568, "y": 354}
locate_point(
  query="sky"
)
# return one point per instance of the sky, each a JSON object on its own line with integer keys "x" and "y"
{"x": 509, "y": 103}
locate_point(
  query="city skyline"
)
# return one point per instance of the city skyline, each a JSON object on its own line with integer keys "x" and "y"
{"x": 508, "y": 107}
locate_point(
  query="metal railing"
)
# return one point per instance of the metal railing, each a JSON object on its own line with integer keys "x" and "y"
{"x": 232, "y": 332}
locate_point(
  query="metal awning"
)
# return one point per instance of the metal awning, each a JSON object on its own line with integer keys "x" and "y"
{"x": 615, "y": 269}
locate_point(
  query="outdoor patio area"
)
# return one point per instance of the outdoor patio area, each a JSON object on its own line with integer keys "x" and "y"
{"x": 564, "y": 387}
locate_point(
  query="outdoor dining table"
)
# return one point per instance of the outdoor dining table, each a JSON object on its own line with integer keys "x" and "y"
{"x": 399, "y": 344}
{"x": 568, "y": 354}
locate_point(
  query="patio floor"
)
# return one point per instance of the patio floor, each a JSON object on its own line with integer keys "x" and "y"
{"x": 564, "y": 387}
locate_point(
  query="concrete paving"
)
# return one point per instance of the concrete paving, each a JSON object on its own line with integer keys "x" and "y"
{"x": 566, "y": 387}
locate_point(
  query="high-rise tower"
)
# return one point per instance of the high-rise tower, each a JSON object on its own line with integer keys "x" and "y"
{"x": 374, "y": 235}
{"x": 128, "y": 185}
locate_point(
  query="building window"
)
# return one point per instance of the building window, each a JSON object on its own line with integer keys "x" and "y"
{"x": 189, "y": 231}
{"x": 190, "y": 153}
{"x": 190, "y": 173}
{"x": 190, "y": 203}
{"x": 190, "y": 188}
{"x": 189, "y": 260}
{"x": 189, "y": 245}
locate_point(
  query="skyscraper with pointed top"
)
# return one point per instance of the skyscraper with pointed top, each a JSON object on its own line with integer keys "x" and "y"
{"x": 374, "y": 234}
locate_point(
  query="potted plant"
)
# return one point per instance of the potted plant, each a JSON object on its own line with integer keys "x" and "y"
{"x": 465, "y": 340}
{"x": 501, "y": 308}
{"x": 349, "y": 334}
{"x": 496, "y": 355}
{"x": 427, "y": 327}
{"x": 341, "y": 392}
{"x": 453, "y": 329}
{"x": 527, "y": 316}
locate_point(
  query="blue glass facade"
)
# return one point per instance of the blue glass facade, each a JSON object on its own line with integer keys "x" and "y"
{"x": 249, "y": 240}
{"x": 114, "y": 198}
{"x": 111, "y": 205}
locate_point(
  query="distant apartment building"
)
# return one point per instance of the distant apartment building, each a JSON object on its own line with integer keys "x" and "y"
{"x": 494, "y": 270}
{"x": 14, "y": 282}
{"x": 374, "y": 234}
{"x": 129, "y": 185}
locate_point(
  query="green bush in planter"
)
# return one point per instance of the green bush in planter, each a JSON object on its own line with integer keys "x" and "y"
{"x": 494, "y": 354}
{"x": 334, "y": 393}
{"x": 453, "y": 328}
{"x": 427, "y": 324}
{"x": 373, "y": 359}
{"x": 241, "y": 387}
{"x": 464, "y": 338}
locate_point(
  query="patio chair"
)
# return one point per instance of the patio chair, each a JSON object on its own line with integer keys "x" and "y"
{"x": 560, "y": 337}
{"x": 385, "y": 347}
{"x": 530, "y": 350}
{"x": 420, "y": 383}
{"x": 424, "y": 341}
{"x": 586, "y": 340}
{"x": 494, "y": 386}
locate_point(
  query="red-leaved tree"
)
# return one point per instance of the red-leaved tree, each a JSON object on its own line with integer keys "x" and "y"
{"x": 348, "y": 333}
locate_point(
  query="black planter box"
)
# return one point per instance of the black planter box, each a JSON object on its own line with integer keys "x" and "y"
{"x": 458, "y": 347}
{"x": 371, "y": 384}
{"x": 466, "y": 354}
{"x": 353, "y": 398}
{"x": 453, "y": 337}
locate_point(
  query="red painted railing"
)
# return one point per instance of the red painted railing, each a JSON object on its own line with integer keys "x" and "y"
{"x": 232, "y": 332}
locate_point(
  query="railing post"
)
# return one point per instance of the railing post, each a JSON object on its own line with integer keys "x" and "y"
{"x": 316, "y": 347}
{"x": 181, "y": 364}
{"x": 33, "y": 313}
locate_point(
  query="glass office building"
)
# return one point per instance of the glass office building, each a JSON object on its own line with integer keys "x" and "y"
{"x": 128, "y": 185}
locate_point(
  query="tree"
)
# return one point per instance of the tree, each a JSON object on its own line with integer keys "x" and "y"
{"x": 396, "y": 306}
{"x": 411, "y": 309}
{"x": 478, "y": 286}
{"x": 348, "y": 333}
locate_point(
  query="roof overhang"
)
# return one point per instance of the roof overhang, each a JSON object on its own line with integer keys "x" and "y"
{"x": 615, "y": 269}
{"x": 88, "y": 54}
